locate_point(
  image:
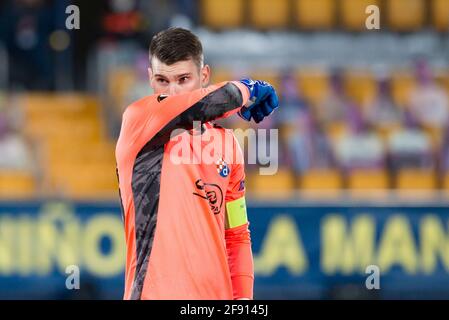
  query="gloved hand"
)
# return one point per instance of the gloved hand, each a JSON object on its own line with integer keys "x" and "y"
{"x": 262, "y": 100}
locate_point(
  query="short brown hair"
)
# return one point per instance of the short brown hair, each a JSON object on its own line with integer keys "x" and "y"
{"x": 176, "y": 44}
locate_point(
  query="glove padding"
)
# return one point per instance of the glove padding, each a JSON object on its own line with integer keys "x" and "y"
{"x": 263, "y": 100}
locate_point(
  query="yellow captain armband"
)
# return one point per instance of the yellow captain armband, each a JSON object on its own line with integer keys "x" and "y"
{"x": 236, "y": 213}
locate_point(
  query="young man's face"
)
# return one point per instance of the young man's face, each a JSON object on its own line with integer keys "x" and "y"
{"x": 180, "y": 77}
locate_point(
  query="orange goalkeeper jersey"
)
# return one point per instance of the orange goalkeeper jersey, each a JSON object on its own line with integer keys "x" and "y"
{"x": 181, "y": 241}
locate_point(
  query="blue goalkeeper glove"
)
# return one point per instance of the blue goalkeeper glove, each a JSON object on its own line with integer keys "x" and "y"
{"x": 262, "y": 100}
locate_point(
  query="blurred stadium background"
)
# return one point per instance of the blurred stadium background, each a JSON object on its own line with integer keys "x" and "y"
{"x": 363, "y": 140}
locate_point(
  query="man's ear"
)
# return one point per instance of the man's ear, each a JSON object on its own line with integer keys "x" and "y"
{"x": 205, "y": 75}
{"x": 150, "y": 77}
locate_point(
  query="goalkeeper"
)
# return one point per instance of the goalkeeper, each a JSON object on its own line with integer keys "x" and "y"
{"x": 186, "y": 229}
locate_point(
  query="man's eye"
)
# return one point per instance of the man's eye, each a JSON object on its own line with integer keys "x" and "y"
{"x": 162, "y": 80}
{"x": 183, "y": 79}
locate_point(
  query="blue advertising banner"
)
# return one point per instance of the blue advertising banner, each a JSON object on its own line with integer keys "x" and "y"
{"x": 336, "y": 252}
{"x": 43, "y": 243}
{"x": 300, "y": 251}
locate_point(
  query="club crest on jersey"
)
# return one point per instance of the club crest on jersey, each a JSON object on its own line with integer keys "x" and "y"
{"x": 222, "y": 168}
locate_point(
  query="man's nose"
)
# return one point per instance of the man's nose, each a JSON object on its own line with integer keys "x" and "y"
{"x": 173, "y": 89}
